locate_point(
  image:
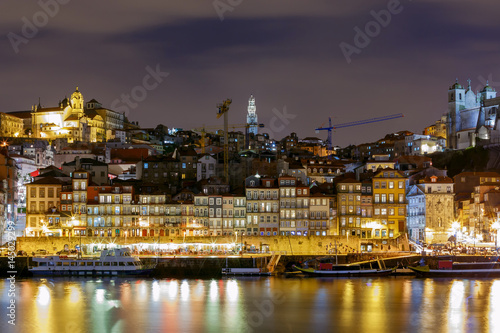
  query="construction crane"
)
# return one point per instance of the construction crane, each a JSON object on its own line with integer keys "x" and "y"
{"x": 350, "y": 124}
{"x": 223, "y": 110}
{"x": 209, "y": 129}
{"x": 203, "y": 130}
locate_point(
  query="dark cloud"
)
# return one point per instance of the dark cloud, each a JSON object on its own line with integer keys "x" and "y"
{"x": 285, "y": 53}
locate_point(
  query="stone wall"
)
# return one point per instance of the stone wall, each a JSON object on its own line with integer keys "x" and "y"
{"x": 290, "y": 245}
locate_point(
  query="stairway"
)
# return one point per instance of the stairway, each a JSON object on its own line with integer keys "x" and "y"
{"x": 275, "y": 258}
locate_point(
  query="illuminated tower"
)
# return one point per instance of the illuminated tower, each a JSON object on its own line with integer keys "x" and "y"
{"x": 252, "y": 116}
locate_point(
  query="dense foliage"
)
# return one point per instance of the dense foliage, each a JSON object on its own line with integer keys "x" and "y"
{"x": 456, "y": 161}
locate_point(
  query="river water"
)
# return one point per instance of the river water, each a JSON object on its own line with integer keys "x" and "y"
{"x": 393, "y": 304}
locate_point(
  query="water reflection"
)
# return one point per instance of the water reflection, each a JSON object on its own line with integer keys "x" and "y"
{"x": 155, "y": 291}
{"x": 456, "y": 307}
{"x": 214, "y": 293}
{"x": 173, "y": 286}
{"x": 291, "y": 305}
{"x": 494, "y": 307}
{"x": 232, "y": 290}
{"x": 43, "y": 297}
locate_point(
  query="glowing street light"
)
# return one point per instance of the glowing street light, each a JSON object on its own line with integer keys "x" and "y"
{"x": 374, "y": 225}
{"x": 496, "y": 226}
{"x": 455, "y": 226}
{"x": 371, "y": 225}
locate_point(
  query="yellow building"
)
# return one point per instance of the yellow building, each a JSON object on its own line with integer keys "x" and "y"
{"x": 349, "y": 207}
{"x": 389, "y": 204}
{"x": 75, "y": 121}
{"x": 437, "y": 129}
{"x": 10, "y": 126}
{"x": 319, "y": 215}
{"x": 315, "y": 149}
{"x": 42, "y": 200}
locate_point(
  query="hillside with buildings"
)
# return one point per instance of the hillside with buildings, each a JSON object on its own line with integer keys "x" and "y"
{"x": 80, "y": 169}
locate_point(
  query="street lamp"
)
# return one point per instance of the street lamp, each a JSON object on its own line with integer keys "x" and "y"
{"x": 496, "y": 226}
{"x": 455, "y": 226}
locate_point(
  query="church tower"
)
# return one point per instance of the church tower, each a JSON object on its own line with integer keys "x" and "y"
{"x": 456, "y": 103}
{"x": 76, "y": 101}
{"x": 488, "y": 92}
{"x": 252, "y": 116}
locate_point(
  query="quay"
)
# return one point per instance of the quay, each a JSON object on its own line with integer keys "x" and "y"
{"x": 210, "y": 266}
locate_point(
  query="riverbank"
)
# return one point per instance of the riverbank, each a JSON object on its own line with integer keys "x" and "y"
{"x": 195, "y": 266}
{"x": 211, "y": 266}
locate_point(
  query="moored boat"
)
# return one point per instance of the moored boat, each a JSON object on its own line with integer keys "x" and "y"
{"x": 110, "y": 262}
{"x": 459, "y": 269}
{"x": 345, "y": 271}
{"x": 326, "y": 268}
{"x": 244, "y": 271}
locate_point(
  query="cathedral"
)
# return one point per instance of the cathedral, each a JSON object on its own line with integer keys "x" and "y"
{"x": 76, "y": 121}
{"x": 472, "y": 117}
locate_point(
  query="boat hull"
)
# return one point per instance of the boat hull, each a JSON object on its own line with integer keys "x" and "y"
{"x": 111, "y": 262}
{"x": 244, "y": 272}
{"x": 138, "y": 272}
{"x": 345, "y": 273}
{"x": 475, "y": 273}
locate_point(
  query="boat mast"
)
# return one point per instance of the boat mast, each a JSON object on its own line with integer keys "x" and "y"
{"x": 336, "y": 254}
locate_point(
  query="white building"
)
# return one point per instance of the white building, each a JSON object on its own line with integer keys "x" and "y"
{"x": 468, "y": 117}
{"x": 419, "y": 144}
{"x": 430, "y": 211}
{"x": 206, "y": 167}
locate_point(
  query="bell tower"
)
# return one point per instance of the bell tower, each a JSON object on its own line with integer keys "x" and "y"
{"x": 456, "y": 103}
{"x": 252, "y": 116}
{"x": 76, "y": 101}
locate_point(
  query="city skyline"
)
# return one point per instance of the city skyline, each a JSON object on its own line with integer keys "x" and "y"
{"x": 306, "y": 59}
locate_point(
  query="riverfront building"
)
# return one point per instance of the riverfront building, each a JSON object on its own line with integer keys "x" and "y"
{"x": 389, "y": 203}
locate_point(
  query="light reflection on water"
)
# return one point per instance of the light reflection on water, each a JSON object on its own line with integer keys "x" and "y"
{"x": 254, "y": 304}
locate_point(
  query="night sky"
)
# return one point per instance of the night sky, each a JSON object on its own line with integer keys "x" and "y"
{"x": 286, "y": 53}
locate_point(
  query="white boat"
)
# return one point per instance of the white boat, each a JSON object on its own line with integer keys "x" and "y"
{"x": 110, "y": 262}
